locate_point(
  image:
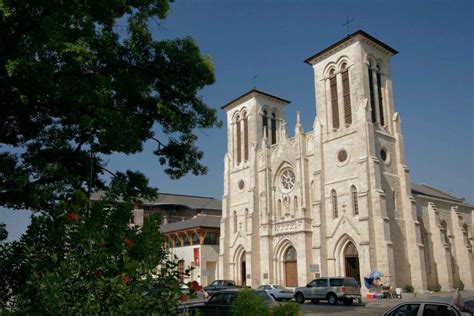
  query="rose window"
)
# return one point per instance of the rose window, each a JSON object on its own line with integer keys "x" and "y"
{"x": 288, "y": 180}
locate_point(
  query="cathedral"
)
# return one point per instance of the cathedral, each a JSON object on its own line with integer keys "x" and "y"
{"x": 337, "y": 200}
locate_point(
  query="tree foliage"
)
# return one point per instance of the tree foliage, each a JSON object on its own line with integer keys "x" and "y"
{"x": 77, "y": 76}
{"x": 79, "y": 81}
{"x": 3, "y": 232}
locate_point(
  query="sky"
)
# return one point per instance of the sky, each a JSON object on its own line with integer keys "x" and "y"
{"x": 433, "y": 79}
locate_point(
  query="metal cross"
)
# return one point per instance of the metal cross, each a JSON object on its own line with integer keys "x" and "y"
{"x": 254, "y": 80}
{"x": 347, "y": 23}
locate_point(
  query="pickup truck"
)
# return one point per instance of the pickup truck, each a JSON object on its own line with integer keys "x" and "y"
{"x": 219, "y": 285}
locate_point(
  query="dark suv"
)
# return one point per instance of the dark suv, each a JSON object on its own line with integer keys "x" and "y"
{"x": 332, "y": 289}
{"x": 219, "y": 285}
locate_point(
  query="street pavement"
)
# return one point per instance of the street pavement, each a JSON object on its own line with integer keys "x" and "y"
{"x": 370, "y": 306}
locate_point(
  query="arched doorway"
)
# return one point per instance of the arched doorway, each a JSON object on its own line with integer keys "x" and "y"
{"x": 351, "y": 261}
{"x": 243, "y": 272}
{"x": 291, "y": 272}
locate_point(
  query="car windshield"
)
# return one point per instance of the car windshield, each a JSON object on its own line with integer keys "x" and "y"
{"x": 264, "y": 295}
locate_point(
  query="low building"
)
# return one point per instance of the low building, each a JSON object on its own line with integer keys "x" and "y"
{"x": 175, "y": 207}
{"x": 195, "y": 243}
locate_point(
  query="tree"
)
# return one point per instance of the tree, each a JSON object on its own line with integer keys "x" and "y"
{"x": 79, "y": 81}
{"x": 3, "y": 232}
{"x": 87, "y": 76}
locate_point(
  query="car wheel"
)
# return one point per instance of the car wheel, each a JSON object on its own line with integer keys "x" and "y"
{"x": 299, "y": 297}
{"x": 347, "y": 301}
{"x": 332, "y": 299}
{"x": 314, "y": 301}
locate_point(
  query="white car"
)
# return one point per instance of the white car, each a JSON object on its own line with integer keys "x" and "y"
{"x": 277, "y": 291}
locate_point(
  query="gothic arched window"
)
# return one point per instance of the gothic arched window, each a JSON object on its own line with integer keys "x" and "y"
{"x": 355, "y": 201}
{"x": 372, "y": 94}
{"x": 246, "y": 220}
{"x": 246, "y": 137}
{"x": 334, "y": 106}
{"x": 279, "y": 208}
{"x": 334, "y": 203}
{"x": 265, "y": 123}
{"x": 379, "y": 91}
{"x": 238, "y": 137}
{"x": 274, "y": 129}
{"x": 346, "y": 92}
{"x": 235, "y": 221}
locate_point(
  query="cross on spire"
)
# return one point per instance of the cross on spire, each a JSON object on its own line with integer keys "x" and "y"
{"x": 347, "y": 24}
{"x": 254, "y": 77}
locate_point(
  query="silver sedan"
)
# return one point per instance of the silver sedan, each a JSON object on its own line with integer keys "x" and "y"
{"x": 277, "y": 291}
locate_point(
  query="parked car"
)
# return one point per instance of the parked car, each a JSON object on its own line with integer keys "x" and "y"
{"x": 469, "y": 305}
{"x": 440, "y": 306}
{"x": 219, "y": 285}
{"x": 278, "y": 292}
{"x": 332, "y": 289}
{"x": 220, "y": 303}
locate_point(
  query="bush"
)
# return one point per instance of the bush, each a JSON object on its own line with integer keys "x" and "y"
{"x": 287, "y": 309}
{"x": 248, "y": 303}
{"x": 408, "y": 288}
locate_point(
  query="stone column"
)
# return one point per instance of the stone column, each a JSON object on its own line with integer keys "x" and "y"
{"x": 463, "y": 255}
{"x": 441, "y": 253}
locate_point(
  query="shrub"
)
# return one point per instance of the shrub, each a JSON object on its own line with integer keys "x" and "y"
{"x": 408, "y": 288}
{"x": 287, "y": 309}
{"x": 248, "y": 303}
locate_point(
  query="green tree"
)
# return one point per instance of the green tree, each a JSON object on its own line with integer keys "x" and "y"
{"x": 81, "y": 76}
{"x": 79, "y": 81}
{"x": 3, "y": 232}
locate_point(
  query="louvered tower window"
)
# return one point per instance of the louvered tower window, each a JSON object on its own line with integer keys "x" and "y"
{"x": 346, "y": 91}
{"x": 274, "y": 128}
{"x": 239, "y": 141}
{"x": 335, "y": 108}
{"x": 372, "y": 94}
{"x": 265, "y": 123}
{"x": 246, "y": 137}
{"x": 379, "y": 90}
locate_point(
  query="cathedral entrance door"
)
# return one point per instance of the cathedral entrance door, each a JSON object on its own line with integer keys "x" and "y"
{"x": 243, "y": 272}
{"x": 351, "y": 261}
{"x": 291, "y": 271}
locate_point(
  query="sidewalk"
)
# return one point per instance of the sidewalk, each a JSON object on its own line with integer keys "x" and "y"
{"x": 387, "y": 302}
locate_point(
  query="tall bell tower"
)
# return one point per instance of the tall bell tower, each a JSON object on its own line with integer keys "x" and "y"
{"x": 254, "y": 120}
{"x": 362, "y": 158}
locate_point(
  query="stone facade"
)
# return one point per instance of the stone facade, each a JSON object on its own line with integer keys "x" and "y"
{"x": 340, "y": 195}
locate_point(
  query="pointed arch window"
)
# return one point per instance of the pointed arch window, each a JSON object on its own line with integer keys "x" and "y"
{"x": 355, "y": 201}
{"x": 246, "y": 137}
{"x": 379, "y": 91}
{"x": 334, "y": 204}
{"x": 235, "y": 221}
{"x": 346, "y": 92}
{"x": 334, "y": 106}
{"x": 265, "y": 123}
{"x": 273, "y": 128}
{"x": 239, "y": 141}
{"x": 279, "y": 208}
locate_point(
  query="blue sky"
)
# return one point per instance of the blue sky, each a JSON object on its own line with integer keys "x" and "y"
{"x": 433, "y": 78}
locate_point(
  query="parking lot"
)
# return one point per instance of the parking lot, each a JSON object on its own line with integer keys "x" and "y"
{"x": 324, "y": 308}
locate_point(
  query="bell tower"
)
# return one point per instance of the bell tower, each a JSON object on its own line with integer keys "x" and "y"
{"x": 362, "y": 159}
{"x": 254, "y": 121}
